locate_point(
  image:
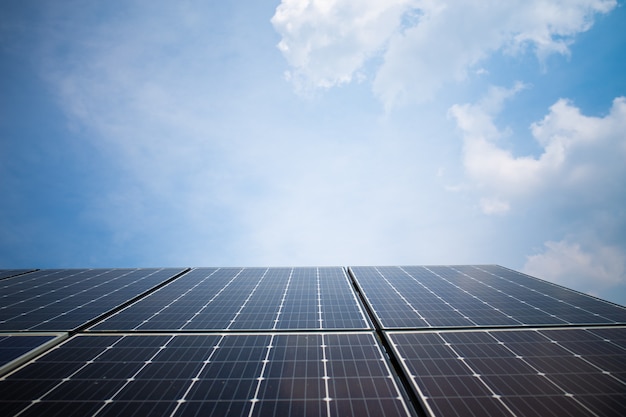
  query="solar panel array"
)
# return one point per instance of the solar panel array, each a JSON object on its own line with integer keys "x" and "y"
{"x": 247, "y": 299}
{"x": 360, "y": 341}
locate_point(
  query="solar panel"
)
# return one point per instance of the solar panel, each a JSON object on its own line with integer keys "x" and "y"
{"x": 565, "y": 371}
{"x": 572, "y": 305}
{"x": 236, "y": 299}
{"x": 468, "y": 296}
{"x": 268, "y": 374}
{"x": 59, "y": 300}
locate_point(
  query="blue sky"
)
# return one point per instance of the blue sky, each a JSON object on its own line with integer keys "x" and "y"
{"x": 322, "y": 132}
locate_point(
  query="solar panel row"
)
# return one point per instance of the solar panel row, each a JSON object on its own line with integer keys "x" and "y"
{"x": 445, "y": 340}
{"x": 265, "y": 374}
{"x": 443, "y": 296}
{"x": 247, "y": 299}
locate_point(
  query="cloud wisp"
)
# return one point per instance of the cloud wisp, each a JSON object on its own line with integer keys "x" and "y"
{"x": 328, "y": 42}
{"x": 416, "y": 46}
{"x": 592, "y": 267}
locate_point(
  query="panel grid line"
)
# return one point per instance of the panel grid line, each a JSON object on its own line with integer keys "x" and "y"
{"x": 604, "y": 371}
{"x": 64, "y": 380}
{"x": 319, "y": 298}
{"x": 80, "y": 297}
{"x": 513, "y": 297}
{"x": 93, "y": 300}
{"x": 166, "y": 306}
{"x": 438, "y": 296}
{"x": 521, "y": 358}
{"x": 549, "y": 296}
{"x": 415, "y": 310}
{"x": 205, "y": 305}
{"x": 57, "y": 290}
{"x": 475, "y": 297}
{"x": 132, "y": 378}
{"x": 477, "y": 376}
{"x": 255, "y": 399}
{"x": 326, "y": 398}
{"x": 34, "y": 277}
{"x": 282, "y": 300}
{"x": 555, "y": 371}
{"x": 196, "y": 378}
{"x": 247, "y": 300}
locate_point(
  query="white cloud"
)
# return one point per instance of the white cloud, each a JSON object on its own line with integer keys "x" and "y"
{"x": 582, "y": 155}
{"x": 593, "y": 268}
{"x": 453, "y": 37}
{"x": 422, "y": 43}
{"x": 327, "y": 41}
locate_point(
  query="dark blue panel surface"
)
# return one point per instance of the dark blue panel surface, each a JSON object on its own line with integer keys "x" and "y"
{"x": 566, "y": 371}
{"x": 242, "y": 374}
{"x": 61, "y": 300}
{"x": 14, "y": 346}
{"x": 563, "y": 302}
{"x": 236, "y": 299}
{"x": 475, "y": 296}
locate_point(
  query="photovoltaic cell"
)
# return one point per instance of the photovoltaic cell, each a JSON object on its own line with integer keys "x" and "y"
{"x": 60, "y": 300}
{"x": 475, "y": 296}
{"x": 236, "y": 299}
{"x": 565, "y": 371}
{"x": 269, "y": 374}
